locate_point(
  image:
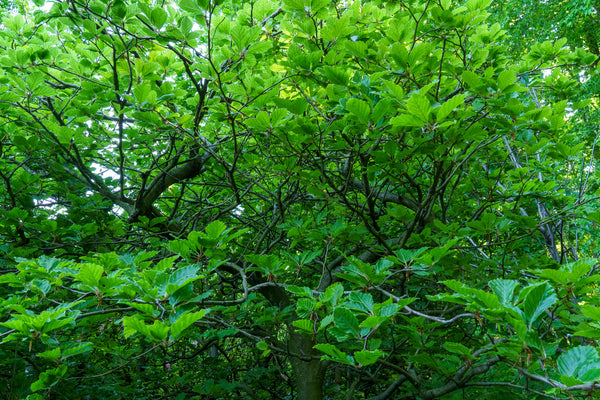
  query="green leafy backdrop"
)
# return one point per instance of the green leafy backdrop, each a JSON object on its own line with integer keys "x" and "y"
{"x": 299, "y": 199}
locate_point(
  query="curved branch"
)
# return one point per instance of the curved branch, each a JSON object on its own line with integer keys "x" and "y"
{"x": 190, "y": 169}
{"x": 459, "y": 380}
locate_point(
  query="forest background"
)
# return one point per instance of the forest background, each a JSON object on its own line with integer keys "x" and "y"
{"x": 299, "y": 199}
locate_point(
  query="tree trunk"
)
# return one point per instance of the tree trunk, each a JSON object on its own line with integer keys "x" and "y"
{"x": 307, "y": 367}
{"x": 306, "y": 364}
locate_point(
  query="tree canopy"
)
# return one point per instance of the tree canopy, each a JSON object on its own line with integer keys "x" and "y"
{"x": 297, "y": 199}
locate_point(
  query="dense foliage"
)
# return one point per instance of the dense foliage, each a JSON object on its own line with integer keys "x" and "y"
{"x": 296, "y": 199}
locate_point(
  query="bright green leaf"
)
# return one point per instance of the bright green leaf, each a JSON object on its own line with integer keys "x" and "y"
{"x": 184, "y": 321}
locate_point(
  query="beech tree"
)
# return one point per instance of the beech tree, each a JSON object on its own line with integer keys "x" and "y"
{"x": 298, "y": 199}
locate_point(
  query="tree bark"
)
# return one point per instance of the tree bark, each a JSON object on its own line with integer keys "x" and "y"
{"x": 308, "y": 369}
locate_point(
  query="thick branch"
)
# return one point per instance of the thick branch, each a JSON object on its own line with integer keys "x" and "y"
{"x": 459, "y": 380}
{"x": 387, "y": 197}
{"x": 190, "y": 169}
{"x": 390, "y": 389}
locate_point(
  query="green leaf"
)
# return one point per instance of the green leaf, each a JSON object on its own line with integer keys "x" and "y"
{"x": 389, "y": 309}
{"x": 537, "y": 301}
{"x": 305, "y": 306}
{"x": 158, "y": 331}
{"x": 373, "y": 321}
{"x": 506, "y": 78}
{"x": 327, "y": 320}
{"x": 295, "y": 5}
{"x": 332, "y": 294}
{"x": 16, "y": 325}
{"x": 35, "y": 79}
{"x": 458, "y": 348}
{"x": 53, "y": 324}
{"x": 267, "y": 263}
{"x": 569, "y": 274}
{"x": 419, "y": 106}
{"x": 90, "y": 274}
{"x": 181, "y": 277}
{"x": 394, "y": 89}
{"x": 49, "y": 378}
{"x": 359, "y": 108}
{"x": 592, "y": 312}
{"x": 504, "y": 289}
{"x": 344, "y": 319}
{"x": 381, "y": 109}
{"x": 305, "y": 325}
{"x": 578, "y": 361}
{"x": 259, "y": 47}
{"x": 458, "y": 287}
{"x": 144, "y": 94}
{"x": 65, "y": 134}
{"x": 184, "y": 321}
{"x": 335, "y": 354}
{"x": 407, "y": 120}
{"x": 484, "y": 300}
{"x": 357, "y": 49}
{"x": 471, "y": 79}
{"x": 134, "y": 325}
{"x": 158, "y": 17}
{"x": 185, "y": 24}
{"x": 419, "y": 53}
{"x": 51, "y": 355}
{"x": 76, "y": 349}
{"x": 300, "y": 291}
{"x": 407, "y": 256}
{"x": 42, "y": 286}
{"x": 360, "y": 301}
{"x": 143, "y": 307}
{"x": 335, "y": 75}
{"x": 193, "y": 6}
{"x": 366, "y": 357}
{"x": 264, "y": 347}
{"x": 591, "y": 374}
{"x": 449, "y": 106}
{"x": 215, "y": 229}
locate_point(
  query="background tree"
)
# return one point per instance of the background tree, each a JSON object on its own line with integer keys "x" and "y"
{"x": 291, "y": 200}
{"x": 575, "y": 22}
{"x": 532, "y": 22}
